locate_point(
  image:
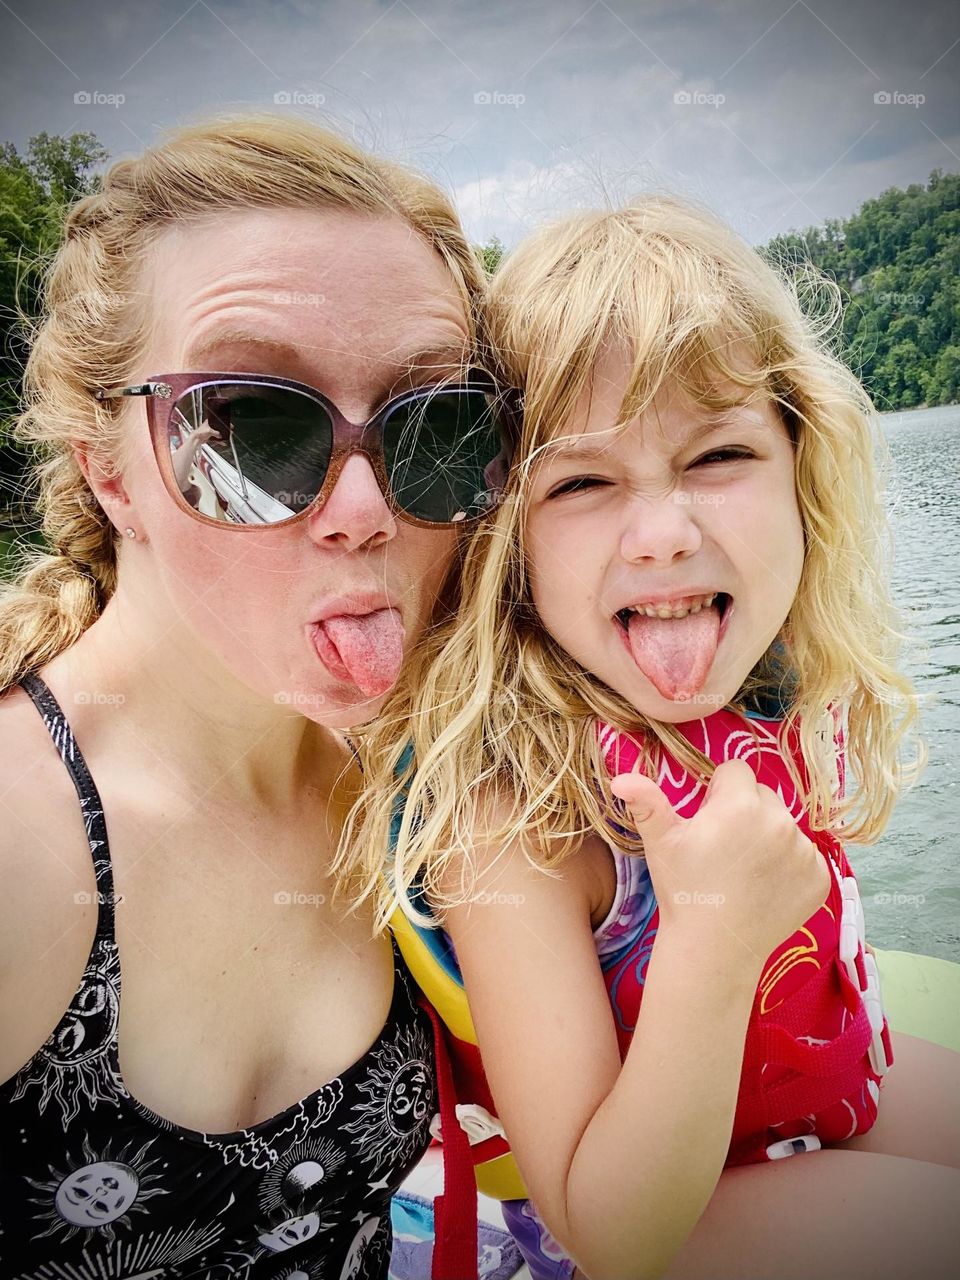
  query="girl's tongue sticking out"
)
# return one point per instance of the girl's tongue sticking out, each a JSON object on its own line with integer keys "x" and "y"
{"x": 675, "y": 653}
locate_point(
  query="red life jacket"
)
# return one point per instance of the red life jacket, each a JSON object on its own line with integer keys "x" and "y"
{"x": 817, "y": 1043}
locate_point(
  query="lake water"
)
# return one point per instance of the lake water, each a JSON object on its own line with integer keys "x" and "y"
{"x": 910, "y": 880}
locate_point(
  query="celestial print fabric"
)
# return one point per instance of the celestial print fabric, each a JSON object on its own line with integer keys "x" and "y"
{"x": 96, "y": 1186}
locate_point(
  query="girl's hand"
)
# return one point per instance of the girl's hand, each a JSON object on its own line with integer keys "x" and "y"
{"x": 204, "y": 435}
{"x": 739, "y": 871}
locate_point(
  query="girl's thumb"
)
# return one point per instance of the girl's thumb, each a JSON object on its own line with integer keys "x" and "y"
{"x": 648, "y": 807}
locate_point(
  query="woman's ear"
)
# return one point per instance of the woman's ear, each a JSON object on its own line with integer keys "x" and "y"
{"x": 106, "y": 485}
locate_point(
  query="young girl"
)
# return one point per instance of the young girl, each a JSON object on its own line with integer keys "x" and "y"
{"x": 683, "y": 582}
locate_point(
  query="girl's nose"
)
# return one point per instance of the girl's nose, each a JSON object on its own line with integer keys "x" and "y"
{"x": 661, "y": 530}
{"x": 356, "y": 513}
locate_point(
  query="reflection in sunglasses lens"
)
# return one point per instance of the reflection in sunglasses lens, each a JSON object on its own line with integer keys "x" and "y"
{"x": 249, "y": 453}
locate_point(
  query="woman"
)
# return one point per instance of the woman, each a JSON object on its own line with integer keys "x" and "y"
{"x": 238, "y": 572}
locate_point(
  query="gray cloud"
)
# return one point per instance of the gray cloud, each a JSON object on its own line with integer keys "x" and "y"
{"x": 764, "y": 111}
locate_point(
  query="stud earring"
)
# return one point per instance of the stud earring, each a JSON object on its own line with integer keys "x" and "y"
{"x": 130, "y": 533}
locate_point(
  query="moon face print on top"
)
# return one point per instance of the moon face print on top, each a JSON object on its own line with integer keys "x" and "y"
{"x": 96, "y": 1186}
{"x": 98, "y": 1193}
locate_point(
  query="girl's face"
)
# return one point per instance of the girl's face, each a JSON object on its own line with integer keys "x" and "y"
{"x": 665, "y": 558}
{"x": 362, "y": 309}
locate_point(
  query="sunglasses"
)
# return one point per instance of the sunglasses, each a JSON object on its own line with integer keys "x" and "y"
{"x": 248, "y": 450}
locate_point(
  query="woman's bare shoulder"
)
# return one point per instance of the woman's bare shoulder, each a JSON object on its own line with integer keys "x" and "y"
{"x": 44, "y": 863}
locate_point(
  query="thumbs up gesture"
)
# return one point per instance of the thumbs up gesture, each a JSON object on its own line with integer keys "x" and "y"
{"x": 740, "y": 869}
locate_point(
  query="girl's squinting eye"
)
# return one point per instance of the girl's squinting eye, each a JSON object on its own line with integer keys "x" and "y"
{"x": 577, "y": 484}
{"x": 724, "y": 455}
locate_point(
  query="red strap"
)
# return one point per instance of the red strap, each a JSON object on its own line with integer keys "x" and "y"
{"x": 455, "y": 1212}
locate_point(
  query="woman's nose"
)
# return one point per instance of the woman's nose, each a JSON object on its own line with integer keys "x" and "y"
{"x": 356, "y": 512}
{"x": 661, "y": 530}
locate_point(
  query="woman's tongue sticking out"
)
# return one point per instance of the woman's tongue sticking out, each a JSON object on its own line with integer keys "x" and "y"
{"x": 370, "y": 646}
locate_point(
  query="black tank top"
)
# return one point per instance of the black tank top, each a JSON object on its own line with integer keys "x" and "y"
{"x": 95, "y": 1186}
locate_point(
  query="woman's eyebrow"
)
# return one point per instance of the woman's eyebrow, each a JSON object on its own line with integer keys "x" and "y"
{"x": 224, "y": 338}
{"x": 443, "y": 353}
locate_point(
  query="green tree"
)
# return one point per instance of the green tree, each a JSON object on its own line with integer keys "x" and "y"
{"x": 897, "y": 264}
{"x": 491, "y": 254}
{"x": 35, "y": 190}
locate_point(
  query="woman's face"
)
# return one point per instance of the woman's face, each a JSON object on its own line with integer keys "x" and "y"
{"x": 665, "y": 558}
{"x": 361, "y": 309}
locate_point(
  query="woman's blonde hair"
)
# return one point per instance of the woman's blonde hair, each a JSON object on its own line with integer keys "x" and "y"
{"x": 95, "y": 321}
{"x": 492, "y": 707}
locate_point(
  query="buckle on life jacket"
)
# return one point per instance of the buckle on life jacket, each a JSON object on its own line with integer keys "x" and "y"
{"x": 793, "y": 1146}
{"x": 862, "y": 969}
{"x": 476, "y": 1122}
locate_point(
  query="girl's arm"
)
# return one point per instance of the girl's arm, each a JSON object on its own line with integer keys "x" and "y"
{"x": 621, "y": 1162}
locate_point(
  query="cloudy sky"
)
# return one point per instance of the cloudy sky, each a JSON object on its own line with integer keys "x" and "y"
{"x": 777, "y": 113}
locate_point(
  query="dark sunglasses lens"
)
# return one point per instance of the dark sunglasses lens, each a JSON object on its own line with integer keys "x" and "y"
{"x": 249, "y": 452}
{"x": 444, "y": 455}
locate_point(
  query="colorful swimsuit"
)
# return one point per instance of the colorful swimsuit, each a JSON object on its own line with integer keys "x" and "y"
{"x": 816, "y": 1046}
{"x": 95, "y": 1186}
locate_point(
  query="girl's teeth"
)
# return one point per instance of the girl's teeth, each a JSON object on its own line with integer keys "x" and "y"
{"x": 669, "y": 611}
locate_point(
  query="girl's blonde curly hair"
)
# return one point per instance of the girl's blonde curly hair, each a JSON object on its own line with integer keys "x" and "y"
{"x": 489, "y": 705}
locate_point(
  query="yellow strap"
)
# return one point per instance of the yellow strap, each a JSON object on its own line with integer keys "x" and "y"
{"x": 499, "y": 1178}
{"x": 444, "y": 992}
